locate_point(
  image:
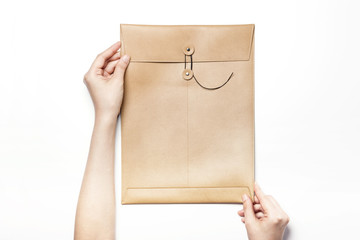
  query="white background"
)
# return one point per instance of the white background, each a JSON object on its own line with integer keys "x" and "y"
{"x": 307, "y": 115}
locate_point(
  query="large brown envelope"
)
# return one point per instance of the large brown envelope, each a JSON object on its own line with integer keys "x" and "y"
{"x": 187, "y": 119}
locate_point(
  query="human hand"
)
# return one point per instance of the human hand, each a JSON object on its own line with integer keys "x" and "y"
{"x": 105, "y": 80}
{"x": 264, "y": 219}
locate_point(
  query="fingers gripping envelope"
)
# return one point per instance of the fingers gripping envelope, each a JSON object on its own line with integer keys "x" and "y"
{"x": 187, "y": 119}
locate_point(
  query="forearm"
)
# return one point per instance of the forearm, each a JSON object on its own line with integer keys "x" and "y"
{"x": 95, "y": 216}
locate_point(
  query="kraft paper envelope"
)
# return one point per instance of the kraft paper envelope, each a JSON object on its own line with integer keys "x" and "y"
{"x": 187, "y": 119}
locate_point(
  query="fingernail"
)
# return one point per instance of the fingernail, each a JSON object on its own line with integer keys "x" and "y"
{"x": 125, "y": 58}
{"x": 244, "y": 197}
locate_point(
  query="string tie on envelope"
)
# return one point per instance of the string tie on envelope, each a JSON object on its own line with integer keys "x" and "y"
{"x": 189, "y": 75}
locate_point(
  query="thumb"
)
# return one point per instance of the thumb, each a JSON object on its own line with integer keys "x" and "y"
{"x": 248, "y": 209}
{"x": 121, "y": 66}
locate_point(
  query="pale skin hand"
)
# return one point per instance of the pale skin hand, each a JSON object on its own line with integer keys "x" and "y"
{"x": 95, "y": 214}
{"x": 264, "y": 219}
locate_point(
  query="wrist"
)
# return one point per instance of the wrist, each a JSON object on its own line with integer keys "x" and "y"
{"x": 106, "y": 118}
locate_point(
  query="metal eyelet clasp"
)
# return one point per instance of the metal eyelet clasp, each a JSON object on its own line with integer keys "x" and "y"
{"x": 189, "y": 49}
{"x": 187, "y": 74}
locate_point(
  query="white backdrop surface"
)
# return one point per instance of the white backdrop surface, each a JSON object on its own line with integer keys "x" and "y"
{"x": 307, "y": 87}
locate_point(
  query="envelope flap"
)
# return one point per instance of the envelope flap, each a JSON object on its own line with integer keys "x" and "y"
{"x": 167, "y": 43}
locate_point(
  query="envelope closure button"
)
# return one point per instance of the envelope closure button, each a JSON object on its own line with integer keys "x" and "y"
{"x": 187, "y": 74}
{"x": 188, "y": 49}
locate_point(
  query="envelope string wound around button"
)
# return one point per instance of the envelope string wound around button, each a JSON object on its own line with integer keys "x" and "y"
{"x": 208, "y": 88}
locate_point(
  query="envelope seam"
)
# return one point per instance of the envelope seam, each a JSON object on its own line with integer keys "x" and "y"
{"x": 145, "y": 188}
{"x": 194, "y": 61}
{"x": 187, "y": 133}
{"x": 251, "y": 42}
{"x": 122, "y": 40}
